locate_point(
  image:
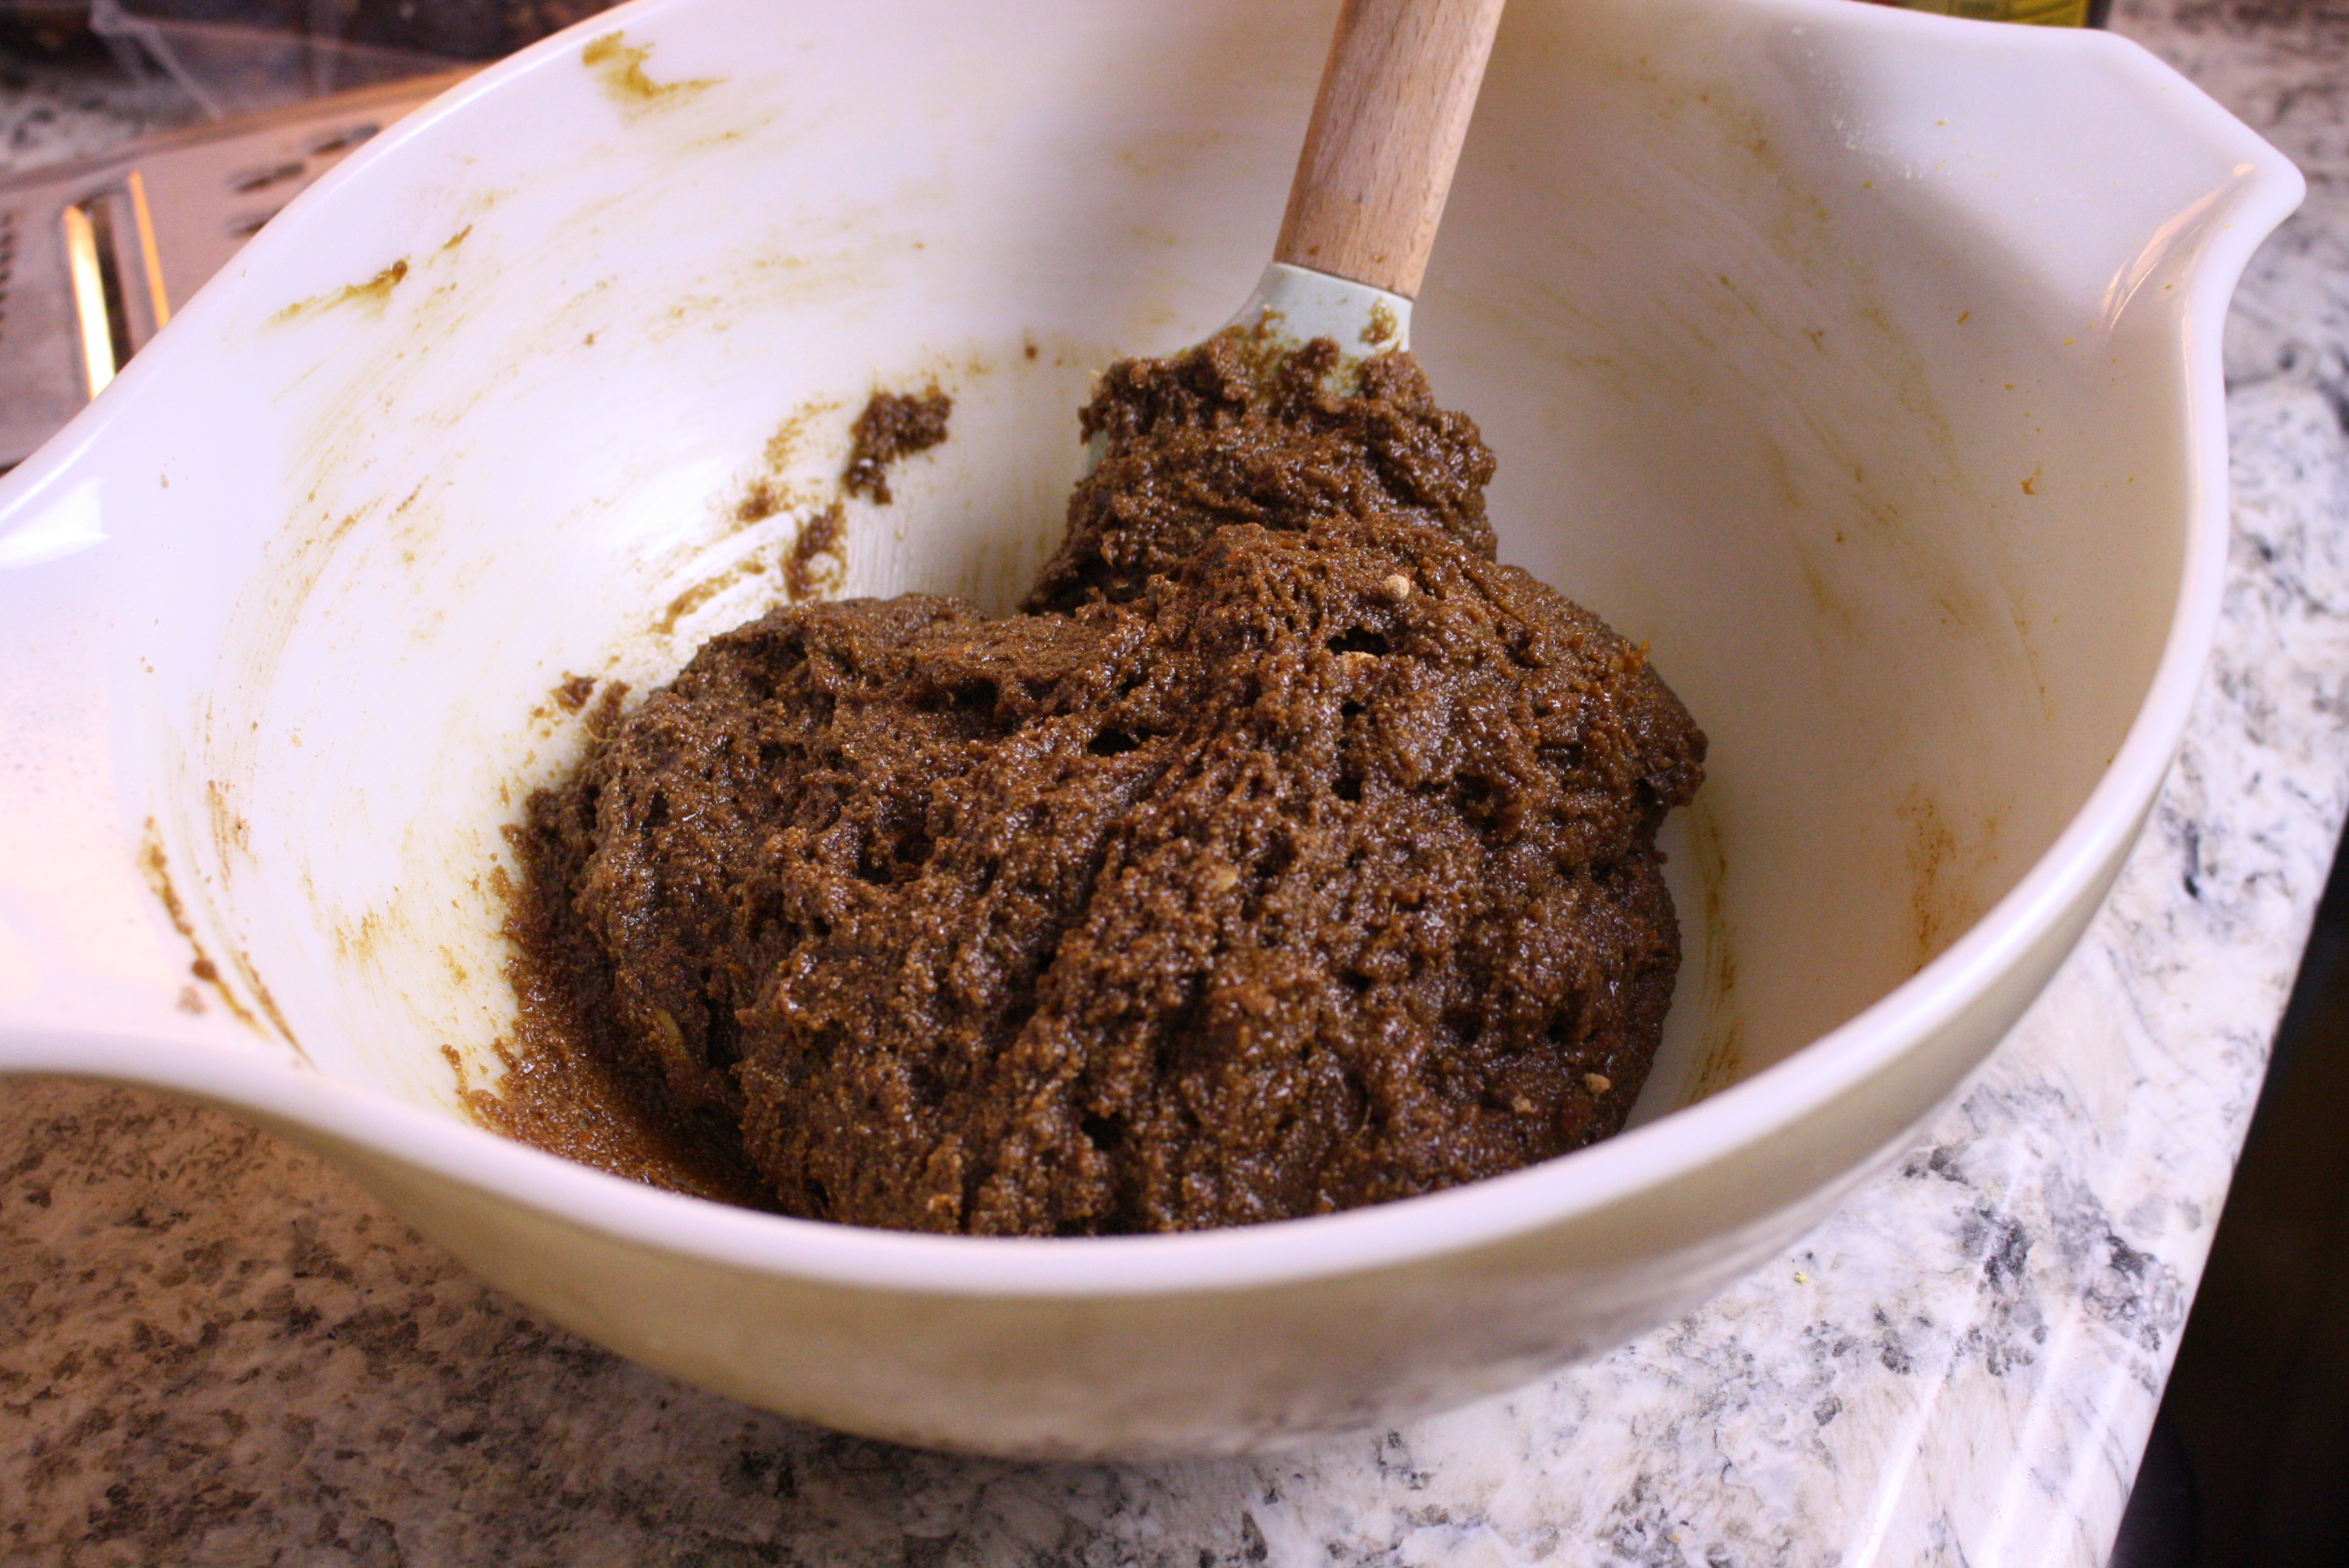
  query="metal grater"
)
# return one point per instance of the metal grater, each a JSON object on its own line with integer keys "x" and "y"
{"x": 95, "y": 256}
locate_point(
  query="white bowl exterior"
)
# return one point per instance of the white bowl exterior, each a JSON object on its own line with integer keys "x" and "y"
{"x": 1896, "y": 436}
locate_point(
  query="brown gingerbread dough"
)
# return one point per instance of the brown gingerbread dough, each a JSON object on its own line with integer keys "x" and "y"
{"x": 1287, "y": 853}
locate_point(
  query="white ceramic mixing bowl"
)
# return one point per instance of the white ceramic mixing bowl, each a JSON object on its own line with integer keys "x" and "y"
{"x": 1863, "y": 363}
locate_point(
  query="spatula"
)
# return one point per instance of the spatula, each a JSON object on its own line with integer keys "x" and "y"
{"x": 1369, "y": 192}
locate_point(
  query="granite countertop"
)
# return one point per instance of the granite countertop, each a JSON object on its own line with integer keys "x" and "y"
{"x": 214, "y": 1349}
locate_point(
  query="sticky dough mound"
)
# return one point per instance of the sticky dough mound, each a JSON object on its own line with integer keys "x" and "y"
{"x": 1286, "y": 854}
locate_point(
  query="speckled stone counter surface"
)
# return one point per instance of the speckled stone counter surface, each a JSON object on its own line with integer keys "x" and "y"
{"x": 215, "y": 1350}
{"x": 54, "y": 113}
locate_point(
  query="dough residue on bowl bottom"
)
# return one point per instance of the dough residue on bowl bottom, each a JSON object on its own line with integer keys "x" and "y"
{"x": 1285, "y": 853}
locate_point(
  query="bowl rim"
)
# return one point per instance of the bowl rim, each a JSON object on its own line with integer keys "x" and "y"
{"x": 347, "y": 1118}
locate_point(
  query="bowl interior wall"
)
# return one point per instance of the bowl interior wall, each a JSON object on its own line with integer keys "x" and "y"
{"x": 1761, "y": 395}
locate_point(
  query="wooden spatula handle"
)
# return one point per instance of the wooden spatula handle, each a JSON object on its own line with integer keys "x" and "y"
{"x": 1394, "y": 104}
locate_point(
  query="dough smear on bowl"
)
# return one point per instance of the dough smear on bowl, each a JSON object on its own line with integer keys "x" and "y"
{"x": 1285, "y": 853}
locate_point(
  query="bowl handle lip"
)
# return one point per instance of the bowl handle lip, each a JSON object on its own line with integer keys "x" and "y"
{"x": 58, "y": 465}
{"x": 69, "y": 847}
{"x": 2273, "y": 185}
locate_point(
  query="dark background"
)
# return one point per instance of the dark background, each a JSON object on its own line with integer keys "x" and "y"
{"x": 2250, "y": 1462}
